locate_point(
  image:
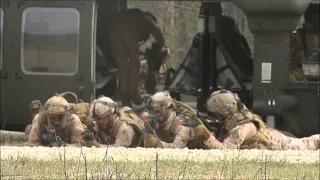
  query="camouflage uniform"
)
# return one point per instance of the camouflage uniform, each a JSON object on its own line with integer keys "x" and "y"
{"x": 149, "y": 79}
{"x": 124, "y": 38}
{"x": 56, "y": 115}
{"x": 122, "y": 128}
{"x": 247, "y": 130}
{"x": 34, "y": 109}
{"x": 79, "y": 109}
{"x": 172, "y": 129}
{"x": 82, "y": 111}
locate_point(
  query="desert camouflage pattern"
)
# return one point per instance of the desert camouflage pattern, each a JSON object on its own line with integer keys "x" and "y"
{"x": 68, "y": 128}
{"x": 82, "y": 111}
{"x": 123, "y": 129}
{"x": 150, "y": 79}
{"x": 171, "y": 131}
{"x": 246, "y": 130}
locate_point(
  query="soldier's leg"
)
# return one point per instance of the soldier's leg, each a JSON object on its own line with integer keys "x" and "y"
{"x": 118, "y": 52}
{"x": 284, "y": 142}
{"x": 151, "y": 83}
{"x": 132, "y": 48}
{"x": 312, "y": 142}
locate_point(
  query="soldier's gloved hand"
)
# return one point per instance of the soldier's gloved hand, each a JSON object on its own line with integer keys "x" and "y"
{"x": 58, "y": 142}
{"x": 201, "y": 131}
{"x": 150, "y": 140}
{"x": 87, "y": 135}
{"x": 92, "y": 142}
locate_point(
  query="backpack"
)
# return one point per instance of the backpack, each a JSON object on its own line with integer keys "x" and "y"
{"x": 127, "y": 115}
{"x": 82, "y": 111}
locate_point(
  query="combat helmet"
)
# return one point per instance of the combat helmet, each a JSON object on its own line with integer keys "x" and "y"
{"x": 160, "y": 101}
{"x": 223, "y": 103}
{"x": 102, "y": 107}
{"x": 56, "y": 105}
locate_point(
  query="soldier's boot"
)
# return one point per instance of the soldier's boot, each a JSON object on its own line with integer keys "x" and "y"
{"x": 35, "y": 107}
{"x": 136, "y": 98}
{"x": 125, "y": 98}
{"x": 28, "y": 129}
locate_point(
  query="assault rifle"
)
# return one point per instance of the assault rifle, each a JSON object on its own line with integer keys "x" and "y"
{"x": 213, "y": 124}
{"x": 51, "y": 139}
{"x": 150, "y": 124}
{"x": 90, "y": 133}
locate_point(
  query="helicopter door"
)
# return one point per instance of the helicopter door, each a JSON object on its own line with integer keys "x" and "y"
{"x": 49, "y": 48}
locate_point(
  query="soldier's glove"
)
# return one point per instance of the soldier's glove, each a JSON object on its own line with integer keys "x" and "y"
{"x": 150, "y": 140}
{"x": 201, "y": 131}
{"x": 58, "y": 142}
{"x": 91, "y": 143}
{"x": 89, "y": 139}
{"x": 87, "y": 135}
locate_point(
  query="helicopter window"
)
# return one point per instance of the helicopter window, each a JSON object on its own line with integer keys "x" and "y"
{"x": 50, "y": 41}
{"x": 1, "y": 36}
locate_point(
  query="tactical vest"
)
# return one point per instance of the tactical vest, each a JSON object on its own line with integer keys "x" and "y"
{"x": 263, "y": 136}
{"x": 126, "y": 115}
{"x": 168, "y": 136}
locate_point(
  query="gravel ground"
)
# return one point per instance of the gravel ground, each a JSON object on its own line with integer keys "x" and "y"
{"x": 138, "y": 154}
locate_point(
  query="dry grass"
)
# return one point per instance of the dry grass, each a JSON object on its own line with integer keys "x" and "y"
{"x": 117, "y": 163}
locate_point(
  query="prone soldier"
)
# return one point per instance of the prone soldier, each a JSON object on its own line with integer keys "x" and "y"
{"x": 80, "y": 109}
{"x": 115, "y": 127}
{"x": 55, "y": 125}
{"x": 173, "y": 130}
{"x": 246, "y": 130}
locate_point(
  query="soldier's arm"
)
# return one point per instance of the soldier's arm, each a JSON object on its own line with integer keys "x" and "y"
{"x": 125, "y": 136}
{"x": 213, "y": 143}
{"x": 156, "y": 32}
{"x": 241, "y": 133}
{"x": 33, "y": 137}
{"x": 76, "y": 130}
{"x": 181, "y": 139}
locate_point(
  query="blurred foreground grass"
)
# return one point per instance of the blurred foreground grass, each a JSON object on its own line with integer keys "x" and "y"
{"x": 23, "y": 167}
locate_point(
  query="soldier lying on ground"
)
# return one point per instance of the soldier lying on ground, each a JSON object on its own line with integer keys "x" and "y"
{"x": 55, "y": 125}
{"x": 174, "y": 131}
{"x": 116, "y": 127}
{"x": 246, "y": 130}
{"x": 80, "y": 109}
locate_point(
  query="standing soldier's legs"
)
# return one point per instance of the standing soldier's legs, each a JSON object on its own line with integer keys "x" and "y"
{"x": 132, "y": 49}
{"x": 118, "y": 52}
{"x": 151, "y": 83}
